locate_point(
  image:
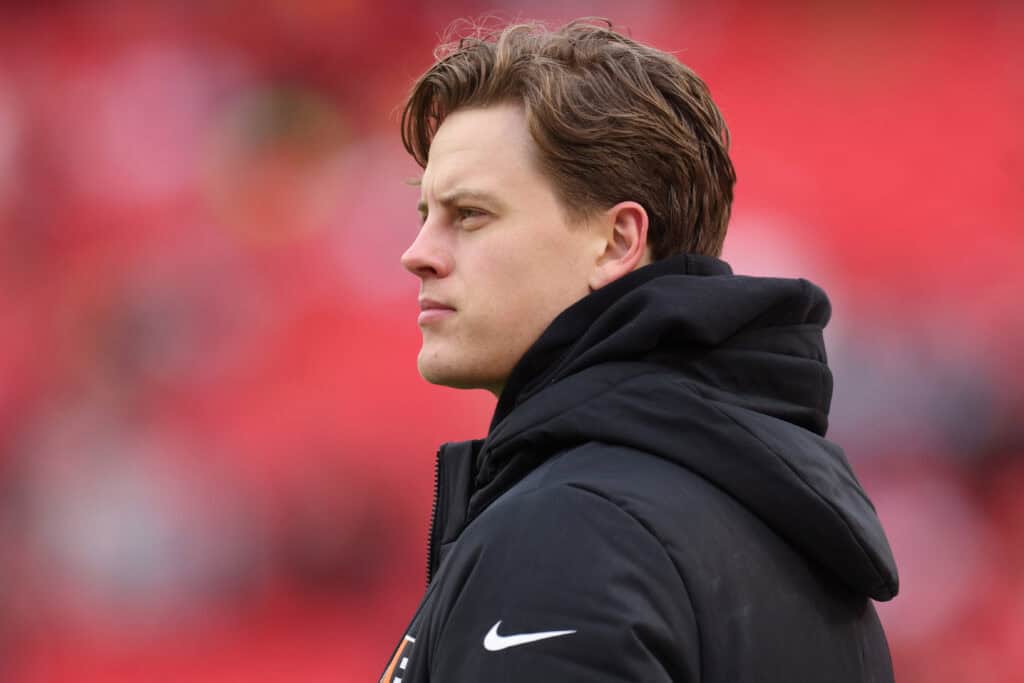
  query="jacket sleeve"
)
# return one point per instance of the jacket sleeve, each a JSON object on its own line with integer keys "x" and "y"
{"x": 565, "y": 585}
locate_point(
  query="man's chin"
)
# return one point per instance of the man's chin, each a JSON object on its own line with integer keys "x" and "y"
{"x": 446, "y": 375}
{"x": 448, "y": 378}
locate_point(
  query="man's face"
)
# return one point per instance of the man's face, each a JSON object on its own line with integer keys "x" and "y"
{"x": 496, "y": 258}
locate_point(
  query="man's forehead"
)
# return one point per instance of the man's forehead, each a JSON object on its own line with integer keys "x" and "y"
{"x": 472, "y": 179}
{"x": 482, "y": 128}
{"x": 486, "y": 150}
{"x": 447, "y": 168}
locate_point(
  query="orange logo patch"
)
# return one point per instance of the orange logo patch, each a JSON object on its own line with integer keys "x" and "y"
{"x": 396, "y": 669}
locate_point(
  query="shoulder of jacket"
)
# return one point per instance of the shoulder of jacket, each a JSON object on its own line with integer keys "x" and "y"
{"x": 594, "y": 479}
{"x": 665, "y": 499}
{"x": 603, "y": 468}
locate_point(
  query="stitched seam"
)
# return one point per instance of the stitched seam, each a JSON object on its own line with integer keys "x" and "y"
{"x": 668, "y": 556}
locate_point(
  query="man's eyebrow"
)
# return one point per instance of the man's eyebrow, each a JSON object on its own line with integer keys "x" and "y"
{"x": 462, "y": 194}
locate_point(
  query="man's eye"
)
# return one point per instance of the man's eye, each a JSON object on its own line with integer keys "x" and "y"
{"x": 467, "y": 213}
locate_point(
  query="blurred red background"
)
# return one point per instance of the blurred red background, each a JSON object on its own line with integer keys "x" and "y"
{"x": 215, "y": 451}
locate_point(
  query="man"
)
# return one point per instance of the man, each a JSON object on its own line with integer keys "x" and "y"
{"x": 654, "y": 500}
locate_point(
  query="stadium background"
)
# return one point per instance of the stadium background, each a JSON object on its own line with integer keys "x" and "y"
{"x": 215, "y": 451}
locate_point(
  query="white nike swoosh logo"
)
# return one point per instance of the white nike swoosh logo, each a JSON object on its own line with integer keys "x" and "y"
{"x": 494, "y": 642}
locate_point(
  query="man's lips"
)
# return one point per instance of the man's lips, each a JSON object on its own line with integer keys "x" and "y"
{"x": 432, "y": 311}
{"x": 426, "y": 304}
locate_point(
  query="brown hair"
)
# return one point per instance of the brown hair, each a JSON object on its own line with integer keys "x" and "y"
{"x": 613, "y": 121}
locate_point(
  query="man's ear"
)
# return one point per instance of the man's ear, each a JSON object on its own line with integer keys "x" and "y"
{"x": 625, "y": 248}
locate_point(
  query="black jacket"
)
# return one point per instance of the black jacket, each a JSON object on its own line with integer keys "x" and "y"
{"x": 655, "y": 501}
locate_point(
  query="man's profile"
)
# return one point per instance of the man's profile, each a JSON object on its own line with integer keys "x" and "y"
{"x": 655, "y": 499}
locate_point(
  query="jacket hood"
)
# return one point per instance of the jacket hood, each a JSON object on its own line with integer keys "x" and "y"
{"x": 724, "y": 375}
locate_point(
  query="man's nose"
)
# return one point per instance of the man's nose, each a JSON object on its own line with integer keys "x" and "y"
{"x": 428, "y": 255}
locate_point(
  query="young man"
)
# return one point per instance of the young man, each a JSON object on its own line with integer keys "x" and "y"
{"x": 655, "y": 499}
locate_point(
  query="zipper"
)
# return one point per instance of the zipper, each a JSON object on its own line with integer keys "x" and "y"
{"x": 431, "y": 544}
{"x": 431, "y": 548}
